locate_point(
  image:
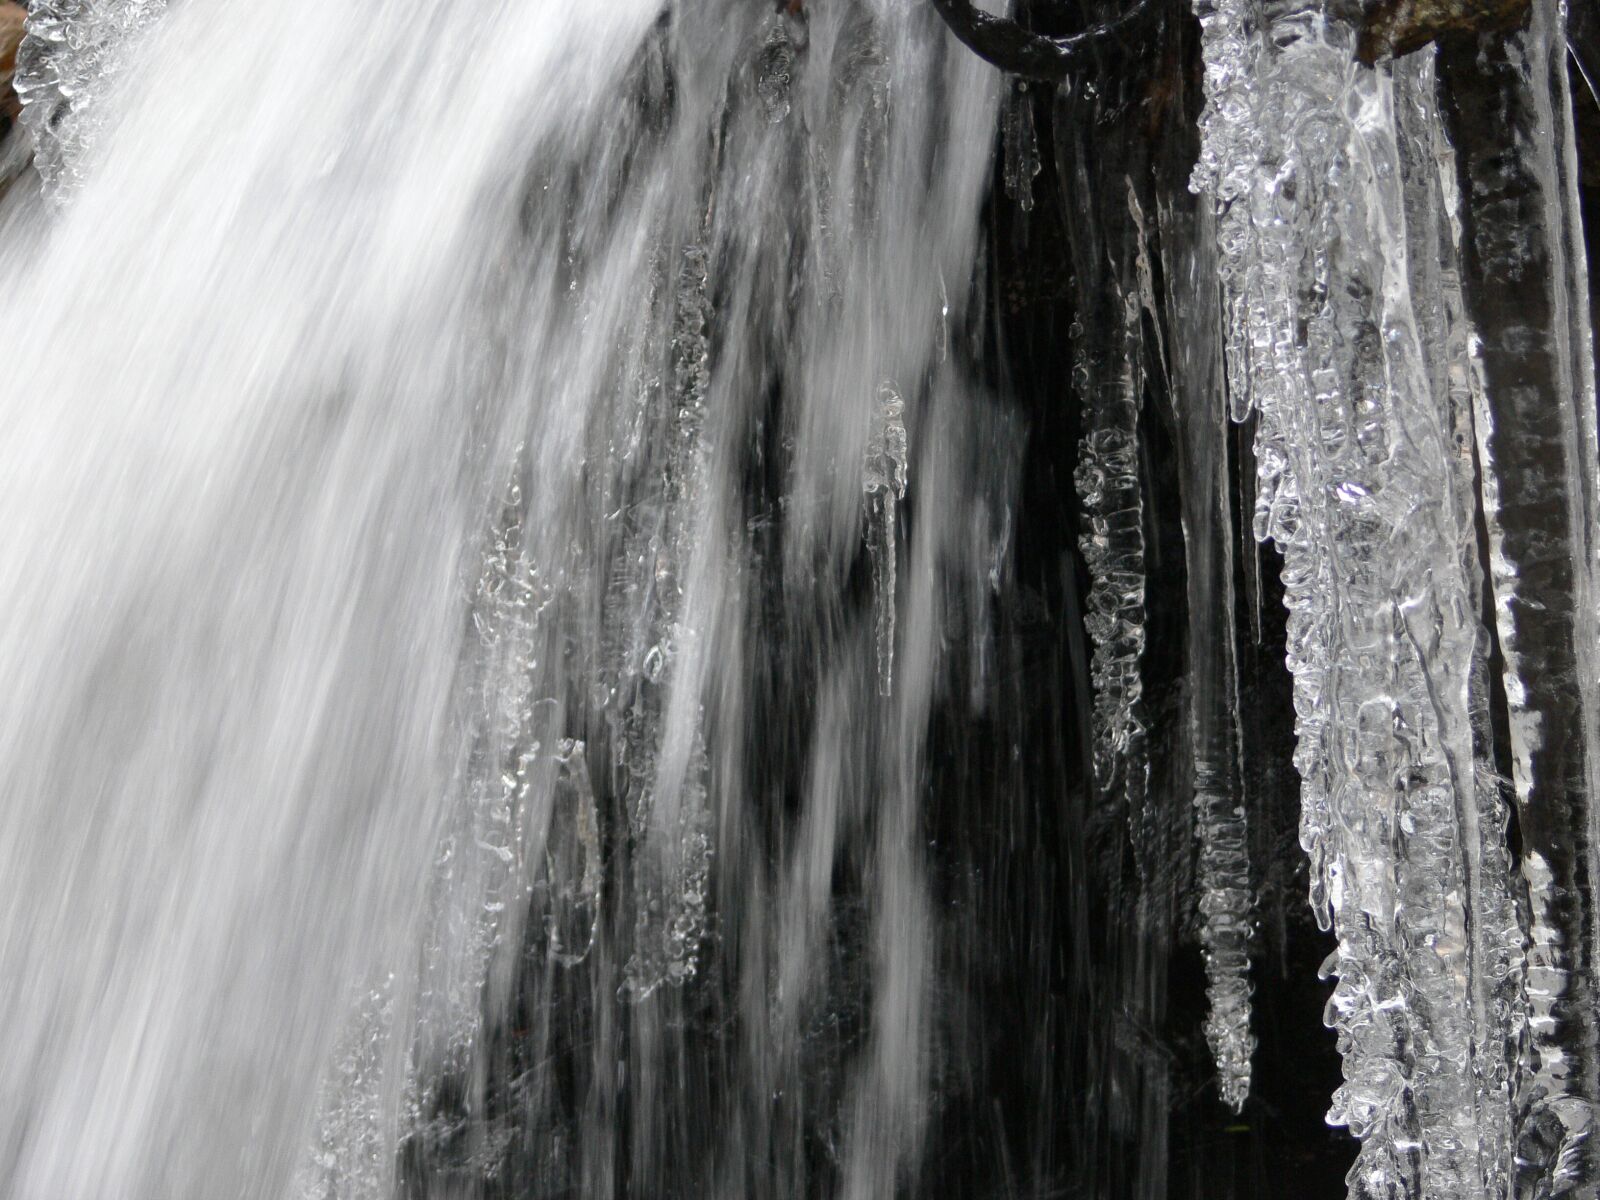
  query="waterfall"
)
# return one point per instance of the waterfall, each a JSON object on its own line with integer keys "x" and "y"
{"x": 681, "y": 599}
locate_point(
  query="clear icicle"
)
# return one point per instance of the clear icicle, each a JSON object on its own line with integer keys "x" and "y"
{"x": 1494, "y": 925}
{"x": 1112, "y": 287}
{"x": 1226, "y": 904}
{"x": 1108, "y": 485}
{"x": 670, "y": 816}
{"x": 884, "y": 482}
{"x": 1225, "y": 914}
{"x": 1360, "y": 487}
{"x": 1523, "y": 259}
{"x": 68, "y": 61}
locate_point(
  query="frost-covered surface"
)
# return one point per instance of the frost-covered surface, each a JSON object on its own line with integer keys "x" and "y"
{"x": 1327, "y": 184}
{"x": 68, "y": 62}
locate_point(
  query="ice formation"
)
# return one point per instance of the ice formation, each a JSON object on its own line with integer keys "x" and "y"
{"x": 574, "y": 498}
{"x": 69, "y": 61}
{"x": 884, "y": 483}
{"x": 1108, "y": 376}
{"x": 1226, "y": 901}
{"x": 1348, "y": 344}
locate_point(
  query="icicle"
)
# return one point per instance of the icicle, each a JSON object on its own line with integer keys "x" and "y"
{"x": 1021, "y": 146}
{"x": 480, "y": 859}
{"x": 1535, "y": 425}
{"x": 69, "y": 58}
{"x": 1111, "y": 279}
{"x": 1225, "y": 911}
{"x": 884, "y": 482}
{"x": 572, "y": 859}
{"x": 1107, "y": 480}
{"x": 1494, "y": 927}
{"x": 1226, "y": 906}
{"x": 1360, "y": 478}
{"x": 671, "y": 859}
{"x": 671, "y": 881}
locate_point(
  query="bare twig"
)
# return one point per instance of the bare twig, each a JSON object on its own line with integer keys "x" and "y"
{"x": 1020, "y": 51}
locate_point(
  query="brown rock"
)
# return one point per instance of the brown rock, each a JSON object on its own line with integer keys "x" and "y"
{"x": 1395, "y": 27}
{"x": 11, "y": 19}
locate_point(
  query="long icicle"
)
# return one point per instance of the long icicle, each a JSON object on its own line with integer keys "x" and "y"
{"x": 1226, "y": 906}
{"x": 1359, "y": 482}
{"x": 1108, "y": 378}
{"x": 1494, "y": 923}
{"x": 1510, "y": 116}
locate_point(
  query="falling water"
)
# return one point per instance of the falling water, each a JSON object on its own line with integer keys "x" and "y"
{"x": 379, "y": 539}
{"x": 678, "y": 600}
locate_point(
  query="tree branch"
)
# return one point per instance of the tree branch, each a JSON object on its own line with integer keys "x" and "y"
{"x": 1020, "y": 51}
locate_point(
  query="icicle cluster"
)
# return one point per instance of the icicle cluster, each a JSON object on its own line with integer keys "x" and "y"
{"x": 1511, "y": 118}
{"x": 70, "y": 57}
{"x": 1327, "y": 255}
